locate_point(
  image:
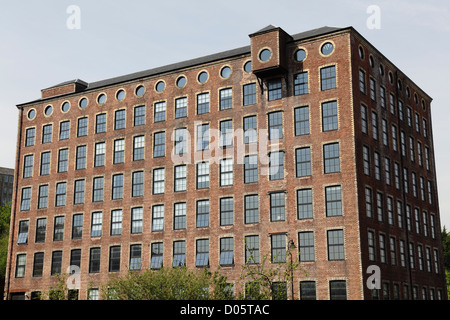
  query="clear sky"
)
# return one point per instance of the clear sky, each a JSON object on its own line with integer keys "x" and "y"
{"x": 117, "y": 37}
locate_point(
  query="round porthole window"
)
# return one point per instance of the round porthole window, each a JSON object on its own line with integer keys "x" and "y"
{"x": 203, "y": 77}
{"x": 48, "y": 110}
{"x": 101, "y": 98}
{"x": 160, "y": 86}
{"x": 248, "y": 67}
{"x": 65, "y": 106}
{"x": 300, "y": 55}
{"x": 265, "y": 55}
{"x": 83, "y": 103}
{"x": 120, "y": 95}
{"x": 181, "y": 82}
{"x": 140, "y": 91}
{"x": 31, "y": 114}
{"x": 225, "y": 72}
{"x": 327, "y": 48}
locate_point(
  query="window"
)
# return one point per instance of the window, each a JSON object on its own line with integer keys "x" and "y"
{"x": 362, "y": 81}
{"x": 60, "y": 194}
{"x": 335, "y": 240}
{"x": 394, "y": 138}
{"x": 249, "y": 94}
{"x": 56, "y": 262}
{"x": 28, "y": 166}
{"x": 274, "y": 89}
{"x": 331, "y": 158}
{"x": 139, "y": 116}
{"x": 382, "y": 241}
{"x": 160, "y": 111}
{"x": 97, "y": 194}
{"x": 371, "y": 245}
{"x": 135, "y": 256}
{"x": 202, "y": 214}
{"x": 226, "y": 133}
{"x": 250, "y": 127}
{"x": 94, "y": 260}
{"x": 328, "y": 78}
{"x": 377, "y": 164}
{"x": 301, "y": 115}
{"x": 276, "y": 125}
{"x": 159, "y": 144}
{"x": 119, "y": 151}
{"x": 116, "y": 222}
{"x": 78, "y": 196}
{"x": 100, "y": 123}
{"x": 136, "y": 220}
{"x": 202, "y": 175}
{"x": 329, "y": 116}
{"x": 304, "y": 204}
{"x": 117, "y": 186}
{"x": 181, "y": 108}
{"x": 47, "y": 133}
{"x": 157, "y": 255}
{"x": 96, "y": 224}
{"x": 158, "y": 217}
{"x": 179, "y": 216}
{"x": 45, "y": 163}
{"x": 226, "y": 251}
{"x": 333, "y": 201}
{"x": 179, "y": 253}
{"x": 82, "y": 129}
{"x": 251, "y": 209}
{"x": 203, "y": 103}
{"x": 393, "y": 250}
{"x": 374, "y": 125}
{"x": 276, "y": 165}
{"x": 23, "y": 232}
{"x": 306, "y": 246}
{"x": 308, "y": 290}
{"x": 181, "y": 141}
{"x": 114, "y": 259}
{"x": 138, "y": 148}
{"x": 303, "y": 161}
{"x": 364, "y": 124}
{"x": 137, "y": 189}
{"x": 75, "y": 257}
{"x": 180, "y": 178}
{"x": 338, "y": 290}
{"x": 226, "y": 99}
{"x": 81, "y": 158}
{"x": 41, "y": 228}
{"x": 63, "y": 158}
{"x": 30, "y": 137}
{"x": 380, "y": 207}
{"x": 77, "y": 226}
{"x": 373, "y": 93}
{"x": 64, "y": 130}
{"x": 58, "y": 229}
{"x": 369, "y": 207}
{"x": 385, "y": 132}
{"x": 277, "y": 206}
{"x": 251, "y": 249}
{"x": 251, "y": 168}
{"x": 26, "y": 199}
{"x": 278, "y": 244}
{"x": 301, "y": 83}
{"x": 202, "y": 137}
{"x": 99, "y": 154}
{"x": 383, "y": 97}
{"x": 226, "y": 211}
{"x": 119, "y": 120}
{"x": 202, "y": 253}
{"x": 226, "y": 172}
{"x": 158, "y": 180}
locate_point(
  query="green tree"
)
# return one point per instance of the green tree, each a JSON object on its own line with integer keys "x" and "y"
{"x": 446, "y": 249}
{"x": 5, "y": 217}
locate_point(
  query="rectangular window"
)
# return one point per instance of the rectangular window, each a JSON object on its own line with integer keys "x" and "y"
{"x": 338, "y": 290}
{"x": 276, "y": 165}
{"x": 100, "y": 154}
{"x": 301, "y": 83}
{"x": 304, "y": 204}
{"x": 377, "y": 164}
{"x": 116, "y": 222}
{"x": 251, "y": 168}
{"x": 251, "y": 209}
{"x": 390, "y": 210}
{"x": 383, "y": 97}
{"x": 160, "y": 111}
{"x": 301, "y": 115}
{"x": 202, "y": 137}
{"x": 371, "y": 245}
{"x": 374, "y": 125}
{"x": 135, "y": 256}
{"x": 23, "y": 232}
{"x": 250, "y": 129}
{"x": 385, "y": 132}
{"x": 159, "y": 144}
{"x": 64, "y": 130}
{"x": 179, "y": 254}
{"x": 114, "y": 259}
{"x": 75, "y": 257}
{"x": 100, "y": 123}
{"x": 117, "y": 186}
{"x": 382, "y": 242}
{"x": 81, "y": 158}
{"x": 202, "y": 219}
{"x": 30, "y": 137}
{"x": 82, "y": 129}
{"x": 60, "y": 194}
{"x": 158, "y": 217}
{"x": 203, "y": 103}
{"x": 226, "y": 211}
{"x": 179, "y": 216}
{"x": 274, "y": 89}
{"x": 366, "y": 160}
{"x": 249, "y": 94}
{"x": 47, "y": 133}
{"x": 136, "y": 220}
{"x": 45, "y": 163}
{"x": 335, "y": 244}
{"x": 58, "y": 229}
{"x": 373, "y": 92}
{"x": 275, "y": 125}
{"x": 308, "y": 290}
{"x": 251, "y": 249}
{"x": 96, "y": 224}
{"x": 380, "y": 207}
{"x": 119, "y": 120}
{"x": 328, "y": 78}
{"x": 78, "y": 195}
{"x": 41, "y": 228}
{"x": 28, "y": 166}
{"x": 303, "y": 161}
{"x": 157, "y": 255}
{"x": 56, "y": 262}
{"x": 181, "y": 141}
{"x": 333, "y": 201}
{"x": 63, "y": 158}
{"x": 331, "y": 158}
{"x": 278, "y": 248}
{"x": 226, "y": 251}
{"x": 138, "y": 148}
{"x": 329, "y": 116}
{"x": 181, "y": 108}
{"x": 393, "y": 251}
{"x": 119, "y": 151}
{"x": 77, "y": 226}
{"x": 180, "y": 177}
{"x": 202, "y": 175}
{"x": 94, "y": 260}
{"x": 139, "y": 116}
{"x": 226, "y": 99}
{"x": 97, "y": 194}
{"x": 137, "y": 189}
{"x": 226, "y": 172}
{"x": 202, "y": 253}
{"x": 226, "y": 133}
{"x": 158, "y": 180}
{"x": 306, "y": 246}
{"x": 369, "y": 205}
{"x": 362, "y": 81}
{"x": 277, "y": 206}
{"x": 25, "y": 199}
{"x": 387, "y": 171}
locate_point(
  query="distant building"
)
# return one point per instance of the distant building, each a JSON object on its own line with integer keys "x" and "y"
{"x": 6, "y": 185}
{"x": 350, "y": 189}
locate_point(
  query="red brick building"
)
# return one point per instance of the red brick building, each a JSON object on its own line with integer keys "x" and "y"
{"x": 338, "y": 158}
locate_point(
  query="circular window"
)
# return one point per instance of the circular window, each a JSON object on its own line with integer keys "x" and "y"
{"x": 181, "y": 82}
{"x": 140, "y": 91}
{"x": 225, "y": 72}
{"x": 265, "y": 55}
{"x": 300, "y": 55}
{"x": 31, "y": 114}
{"x": 65, "y": 106}
{"x": 327, "y": 48}
{"x": 160, "y": 86}
{"x": 101, "y": 98}
{"x": 248, "y": 67}
{"x": 48, "y": 110}
{"x": 203, "y": 77}
{"x": 83, "y": 103}
{"x": 120, "y": 95}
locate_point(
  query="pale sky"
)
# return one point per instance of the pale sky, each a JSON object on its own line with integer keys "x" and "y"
{"x": 118, "y": 37}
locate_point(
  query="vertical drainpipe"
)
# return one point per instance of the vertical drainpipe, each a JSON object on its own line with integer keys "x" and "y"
{"x": 14, "y": 205}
